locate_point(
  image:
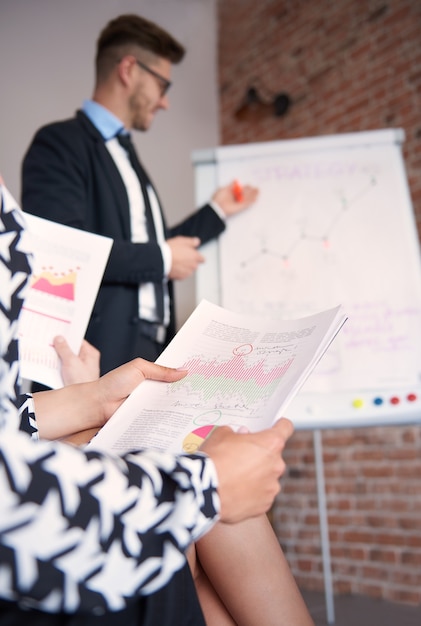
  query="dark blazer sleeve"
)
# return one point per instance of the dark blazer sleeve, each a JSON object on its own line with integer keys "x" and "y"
{"x": 204, "y": 223}
{"x": 69, "y": 177}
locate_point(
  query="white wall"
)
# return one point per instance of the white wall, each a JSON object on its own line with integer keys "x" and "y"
{"x": 47, "y": 50}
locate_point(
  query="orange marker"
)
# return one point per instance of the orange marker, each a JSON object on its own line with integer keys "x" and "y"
{"x": 237, "y": 191}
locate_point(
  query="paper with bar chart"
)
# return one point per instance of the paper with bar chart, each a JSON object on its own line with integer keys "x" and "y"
{"x": 68, "y": 265}
{"x": 242, "y": 371}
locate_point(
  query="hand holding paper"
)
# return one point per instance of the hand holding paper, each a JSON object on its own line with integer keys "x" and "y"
{"x": 242, "y": 371}
{"x": 67, "y": 269}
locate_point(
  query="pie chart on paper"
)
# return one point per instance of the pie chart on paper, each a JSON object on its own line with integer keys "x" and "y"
{"x": 195, "y": 439}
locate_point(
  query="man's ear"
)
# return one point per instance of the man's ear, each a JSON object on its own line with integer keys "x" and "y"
{"x": 125, "y": 69}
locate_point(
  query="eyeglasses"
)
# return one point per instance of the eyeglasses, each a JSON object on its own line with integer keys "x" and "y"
{"x": 163, "y": 82}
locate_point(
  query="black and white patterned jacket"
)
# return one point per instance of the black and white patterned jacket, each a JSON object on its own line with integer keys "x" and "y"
{"x": 83, "y": 531}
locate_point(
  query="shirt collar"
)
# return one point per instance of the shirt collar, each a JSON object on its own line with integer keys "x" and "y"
{"x": 104, "y": 121}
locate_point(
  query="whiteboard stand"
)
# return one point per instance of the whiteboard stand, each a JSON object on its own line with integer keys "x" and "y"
{"x": 324, "y": 526}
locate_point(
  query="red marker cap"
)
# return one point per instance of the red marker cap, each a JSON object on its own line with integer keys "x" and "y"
{"x": 237, "y": 190}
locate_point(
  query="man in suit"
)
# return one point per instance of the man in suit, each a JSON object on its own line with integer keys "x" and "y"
{"x": 83, "y": 172}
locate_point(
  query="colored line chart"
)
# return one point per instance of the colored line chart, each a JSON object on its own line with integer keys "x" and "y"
{"x": 58, "y": 284}
{"x": 318, "y": 233}
{"x": 231, "y": 383}
{"x": 48, "y": 311}
{"x": 223, "y": 387}
{"x": 290, "y": 256}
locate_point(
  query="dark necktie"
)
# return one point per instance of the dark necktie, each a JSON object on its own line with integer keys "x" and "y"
{"x": 126, "y": 142}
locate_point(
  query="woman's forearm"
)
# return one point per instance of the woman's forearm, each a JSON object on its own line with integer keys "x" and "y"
{"x": 63, "y": 412}
{"x": 75, "y": 408}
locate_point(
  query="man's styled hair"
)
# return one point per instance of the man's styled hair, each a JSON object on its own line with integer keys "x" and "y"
{"x": 125, "y": 34}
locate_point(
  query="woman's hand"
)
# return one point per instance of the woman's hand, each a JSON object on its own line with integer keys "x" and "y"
{"x": 116, "y": 386}
{"x": 77, "y": 368}
{"x": 85, "y": 407}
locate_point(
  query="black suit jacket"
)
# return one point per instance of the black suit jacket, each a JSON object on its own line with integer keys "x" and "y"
{"x": 68, "y": 176}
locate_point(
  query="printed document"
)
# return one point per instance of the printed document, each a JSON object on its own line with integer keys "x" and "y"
{"x": 242, "y": 371}
{"x": 67, "y": 269}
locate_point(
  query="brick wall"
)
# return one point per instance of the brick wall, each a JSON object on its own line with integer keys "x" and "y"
{"x": 373, "y": 493}
{"x": 348, "y": 65}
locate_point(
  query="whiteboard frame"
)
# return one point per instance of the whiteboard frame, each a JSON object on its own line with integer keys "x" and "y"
{"x": 307, "y": 411}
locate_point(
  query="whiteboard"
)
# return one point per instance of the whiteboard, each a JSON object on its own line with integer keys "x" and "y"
{"x": 333, "y": 224}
